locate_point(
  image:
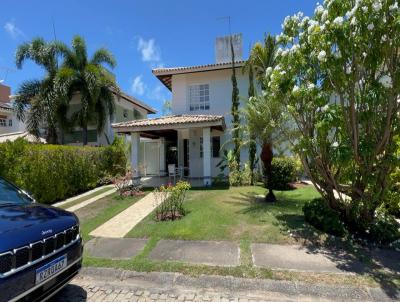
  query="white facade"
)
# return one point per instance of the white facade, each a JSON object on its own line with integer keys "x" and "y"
{"x": 9, "y": 122}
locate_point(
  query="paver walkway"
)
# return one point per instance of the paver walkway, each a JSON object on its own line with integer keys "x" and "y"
{"x": 115, "y": 248}
{"x": 61, "y": 203}
{"x": 300, "y": 258}
{"x": 103, "y": 284}
{"x": 121, "y": 224}
{"x": 220, "y": 253}
{"x": 91, "y": 200}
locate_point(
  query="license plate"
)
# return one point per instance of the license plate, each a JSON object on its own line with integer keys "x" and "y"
{"x": 50, "y": 269}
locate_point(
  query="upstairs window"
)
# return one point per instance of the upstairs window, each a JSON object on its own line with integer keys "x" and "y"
{"x": 9, "y": 123}
{"x": 199, "y": 97}
{"x": 3, "y": 122}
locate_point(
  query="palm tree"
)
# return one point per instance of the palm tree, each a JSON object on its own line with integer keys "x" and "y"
{"x": 36, "y": 101}
{"x": 91, "y": 80}
{"x": 262, "y": 113}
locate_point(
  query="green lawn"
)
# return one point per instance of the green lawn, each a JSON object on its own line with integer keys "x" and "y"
{"x": 235, "y": 214}
{"x": 219, "y": 214}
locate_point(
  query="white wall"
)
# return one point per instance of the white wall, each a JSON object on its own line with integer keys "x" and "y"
{"x": 220, "y": 90}
{"x": 17, "y": 125}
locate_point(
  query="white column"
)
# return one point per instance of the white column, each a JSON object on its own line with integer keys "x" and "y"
{"x": 207, "y": 156}
{"x": 162, "y": 156}
{"x": 135, "y": 147}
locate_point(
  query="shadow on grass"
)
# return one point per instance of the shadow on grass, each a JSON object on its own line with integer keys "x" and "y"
{"x": 381, "y": 265}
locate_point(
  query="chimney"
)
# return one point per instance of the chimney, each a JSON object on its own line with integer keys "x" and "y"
{"x": 5, "y": 92}
{"x": 223, "y": 48}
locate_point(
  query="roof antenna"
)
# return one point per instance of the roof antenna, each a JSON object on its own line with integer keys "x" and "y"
{"x": 229, "y": 22}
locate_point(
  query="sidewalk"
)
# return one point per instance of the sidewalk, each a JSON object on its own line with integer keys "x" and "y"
{"x": 105, "y": 284}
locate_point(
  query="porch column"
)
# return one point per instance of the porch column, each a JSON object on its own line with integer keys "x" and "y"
{"x": 206, "y": 156}
{"x": 135, "y": 142}
{"x": 162, "y": 156}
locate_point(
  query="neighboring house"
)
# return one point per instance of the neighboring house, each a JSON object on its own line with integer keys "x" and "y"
{"x": 9, "y": 122}
{"x": 200, "y": 124}
{"x": 127, "y": 108}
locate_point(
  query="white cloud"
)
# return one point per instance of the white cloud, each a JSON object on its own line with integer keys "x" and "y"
{"x": 13, "y": 30}
{"x": 149, "y": 50}
{"x": 138, "y": 87}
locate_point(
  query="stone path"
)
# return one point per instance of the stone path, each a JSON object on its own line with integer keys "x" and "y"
{"x": 115, "y": 248}
{"x": 90, "y": 200}
{"x": 104, "y": 284}
{"x": 61, "y": 203}
{"x": 220, "y": 253}
{"x": 121, "y": 224}
{"x": 300, "y": 258}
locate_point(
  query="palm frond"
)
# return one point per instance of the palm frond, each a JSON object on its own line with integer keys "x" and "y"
{"x": 103, "y": 56}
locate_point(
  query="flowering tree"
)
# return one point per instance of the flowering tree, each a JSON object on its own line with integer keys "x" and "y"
{"x": 339, "y": 76}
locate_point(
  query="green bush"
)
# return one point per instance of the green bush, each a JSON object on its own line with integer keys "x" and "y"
{"x": 283, "y": 172}
{"x": 51, "y": 173}
{"x": 384, "y": 229}
{"x": 318, "y": 214}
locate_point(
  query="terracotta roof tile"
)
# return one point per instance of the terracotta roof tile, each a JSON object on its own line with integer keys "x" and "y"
{"x": 171, "y": 121}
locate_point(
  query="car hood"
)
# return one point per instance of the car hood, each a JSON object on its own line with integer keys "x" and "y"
{"x": 24, "y": 224}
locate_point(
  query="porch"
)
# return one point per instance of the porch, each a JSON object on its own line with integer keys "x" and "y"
{"x": 167, "y": 149}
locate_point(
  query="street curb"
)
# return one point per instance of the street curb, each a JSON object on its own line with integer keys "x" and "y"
{"x": 168, "y": 281}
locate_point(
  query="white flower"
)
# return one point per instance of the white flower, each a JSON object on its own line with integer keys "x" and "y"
{"x": 325, "y": 108}
{"x": 348, "y": 70}
{"x": 386, "y": 81}
{"x": 377, "y": 6}
{"x": 364, "y": 54}
{"x": 394, "y": 6}
{"x": 312, "y": 24}
{"x": 285, "y": 52}
{"x": 370, "y": 26}
{"x": 353, "y": 21}
{"x": 322, "y": 56}
{"x": 324, "y": 16}
{"x": 384, "y": 38}
{"x": 319, "y": 9}
{"x": 311, "y": 86}
{"x": 268, "y": 71}
{"x": 364, "y": 9}
{"x": 338, "y": 21}
{"x": 283, "y": 72}
{"x": 335, "y": 144}
{"x": 295, "y": 89}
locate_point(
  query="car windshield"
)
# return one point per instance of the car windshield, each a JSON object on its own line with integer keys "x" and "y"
{"x": 10, "y": 194}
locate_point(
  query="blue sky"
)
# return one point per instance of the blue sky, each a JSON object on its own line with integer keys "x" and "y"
{"x": 141, "y": 34}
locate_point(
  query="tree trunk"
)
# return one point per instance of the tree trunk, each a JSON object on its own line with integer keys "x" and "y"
{"x": 84, "y": 135}
{"x": 51, "y": 137}
{"x": 266, "y": 157}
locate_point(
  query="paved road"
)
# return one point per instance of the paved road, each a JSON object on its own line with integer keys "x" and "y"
{"x": 102, "y": 285}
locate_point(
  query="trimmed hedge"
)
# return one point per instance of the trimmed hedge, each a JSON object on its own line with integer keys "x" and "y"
{"x": 283, "y": 172}
{"x": 51, "y": 172}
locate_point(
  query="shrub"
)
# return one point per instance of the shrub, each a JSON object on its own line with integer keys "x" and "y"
{"x": 384, "y": 229}
{"x": 283, "y": 173}
{"x": 169, "y": 201}
{"x": 318, "y": 214}
{"x": 51, "y": 173}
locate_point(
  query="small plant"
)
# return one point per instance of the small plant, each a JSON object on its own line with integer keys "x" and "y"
{"x": 169, "y": 201}
{"x": 126, "y": 186}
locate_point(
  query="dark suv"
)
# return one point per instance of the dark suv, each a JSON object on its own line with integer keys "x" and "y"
{"x": 40, "y": 247}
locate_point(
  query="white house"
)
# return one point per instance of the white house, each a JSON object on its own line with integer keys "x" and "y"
{"x": 200, "y": 124}
{"x": 9, "y": 123}
{"x": 127, "y": 108}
